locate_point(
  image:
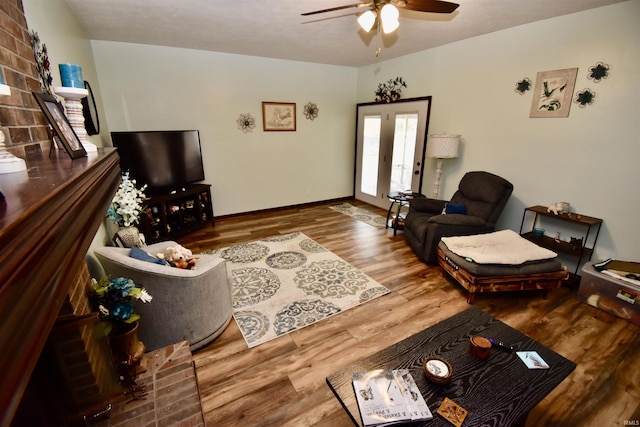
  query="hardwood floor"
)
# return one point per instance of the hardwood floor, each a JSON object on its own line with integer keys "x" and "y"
{"x": 282, "y": 382}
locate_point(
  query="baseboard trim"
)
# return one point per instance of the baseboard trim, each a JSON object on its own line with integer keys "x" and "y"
{"x": 280, "y": 208}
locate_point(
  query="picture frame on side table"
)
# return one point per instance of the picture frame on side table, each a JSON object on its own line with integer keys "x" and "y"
{"x": 279, "y": 116}
{"x": 553, "y": 93}
{"x": 60, "y": 124}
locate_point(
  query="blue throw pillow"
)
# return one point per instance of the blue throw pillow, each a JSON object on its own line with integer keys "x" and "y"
{"x": 455, "y": 208}
{"x": 138, "y": 253}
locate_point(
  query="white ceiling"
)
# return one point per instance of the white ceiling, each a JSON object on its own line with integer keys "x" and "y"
{"x": 275, "y": 28}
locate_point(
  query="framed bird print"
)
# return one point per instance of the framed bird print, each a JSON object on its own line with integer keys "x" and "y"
{"x": 553, "y": 92}
{"x": 279, "y": 116}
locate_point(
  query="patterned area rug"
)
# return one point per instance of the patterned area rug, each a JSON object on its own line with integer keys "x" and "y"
{"x": 288, "y": 282}
{"x": 360, "y": 214}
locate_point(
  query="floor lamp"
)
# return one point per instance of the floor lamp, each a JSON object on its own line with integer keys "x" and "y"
{"x": 442, "y": 147}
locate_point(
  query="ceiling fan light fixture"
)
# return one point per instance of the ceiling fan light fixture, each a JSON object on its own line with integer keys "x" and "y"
{"x": 366, "y": 20}
{"x": 389, "y": 16}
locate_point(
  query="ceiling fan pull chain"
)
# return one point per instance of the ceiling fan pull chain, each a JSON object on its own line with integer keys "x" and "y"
{"x": 379, "y": 49}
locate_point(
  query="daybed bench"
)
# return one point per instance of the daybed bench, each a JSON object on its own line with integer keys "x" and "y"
{"x": 500, "y": 261}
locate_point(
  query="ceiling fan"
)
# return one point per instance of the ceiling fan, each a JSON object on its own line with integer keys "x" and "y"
{"x": 388, "y": 11}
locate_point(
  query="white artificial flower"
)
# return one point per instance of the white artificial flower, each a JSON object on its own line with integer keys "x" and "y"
{"x": 103, "y": 310}
{"x": 144, "y": 296}
{"x": 127, "y": 202}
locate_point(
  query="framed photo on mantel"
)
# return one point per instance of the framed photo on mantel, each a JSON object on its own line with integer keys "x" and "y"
{"x": 60, "y": 124}
{"x": 553, "y": 92}
{"x": 279, "y": 116}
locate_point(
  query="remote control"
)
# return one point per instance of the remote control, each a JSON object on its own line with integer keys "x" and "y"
{"x": 501, "y": 345}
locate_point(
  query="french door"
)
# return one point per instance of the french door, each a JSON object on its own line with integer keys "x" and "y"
{"x": 390, "y": 147}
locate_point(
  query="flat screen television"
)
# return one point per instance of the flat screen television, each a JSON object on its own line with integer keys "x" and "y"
{"x": 164, "y": 160}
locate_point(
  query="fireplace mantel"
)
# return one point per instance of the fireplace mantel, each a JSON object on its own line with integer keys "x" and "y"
{"x": 48, "y": 220}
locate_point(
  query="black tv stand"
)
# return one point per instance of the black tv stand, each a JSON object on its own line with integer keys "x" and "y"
{"x": 176, "y": 213}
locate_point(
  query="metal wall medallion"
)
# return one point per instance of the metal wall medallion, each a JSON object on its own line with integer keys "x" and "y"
{"x": 523, "y": 85}
{"x": 598, "y": 72}
{"x": 584, "y": 98}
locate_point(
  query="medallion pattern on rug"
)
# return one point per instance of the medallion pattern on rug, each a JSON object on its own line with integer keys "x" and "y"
{"x": 285, "y": 283}
{"x": 361, "y": 214}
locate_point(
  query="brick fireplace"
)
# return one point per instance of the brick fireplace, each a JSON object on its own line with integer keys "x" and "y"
{"x": 48, "y": 219}
{"x": 49, "y": 216}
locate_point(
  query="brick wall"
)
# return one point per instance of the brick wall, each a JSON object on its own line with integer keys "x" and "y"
{"x": 24, "y": 125}
{"x": 84, "y": 364}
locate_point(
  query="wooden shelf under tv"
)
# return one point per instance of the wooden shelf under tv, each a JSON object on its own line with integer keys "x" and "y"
{"x": 169, "y": 216}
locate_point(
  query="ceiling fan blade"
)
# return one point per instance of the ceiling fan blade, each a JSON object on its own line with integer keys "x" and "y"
{"x": 433, "y": 6}
{"x": 336, "y": 8}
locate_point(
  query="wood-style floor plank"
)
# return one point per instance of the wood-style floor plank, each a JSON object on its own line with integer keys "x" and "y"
{"x": 282, "y": 382}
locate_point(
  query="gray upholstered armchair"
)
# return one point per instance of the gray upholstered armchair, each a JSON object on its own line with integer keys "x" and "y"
{"x": 188, "y": 305}
{"x": 473, "y": 209}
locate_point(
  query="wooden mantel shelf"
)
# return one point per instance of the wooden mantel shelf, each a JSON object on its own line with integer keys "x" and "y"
{"x": 48, "y": 219}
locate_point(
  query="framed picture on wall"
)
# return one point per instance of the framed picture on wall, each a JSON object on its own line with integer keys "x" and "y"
{"x": 60, "y": 124}
{"x": 279, "y": 116}
{"x": 553, "y": 92}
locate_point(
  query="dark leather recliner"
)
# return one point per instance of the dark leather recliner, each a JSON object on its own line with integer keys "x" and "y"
{"x": 483, "y": 195}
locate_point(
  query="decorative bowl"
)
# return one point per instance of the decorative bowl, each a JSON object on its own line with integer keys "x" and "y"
{"x": 437, "y": 370}
{"x": 538, "y": 232}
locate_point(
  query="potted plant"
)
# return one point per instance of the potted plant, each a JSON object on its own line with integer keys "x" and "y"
{"x": 114, "y": 300}
{"x": 124, "y": 211}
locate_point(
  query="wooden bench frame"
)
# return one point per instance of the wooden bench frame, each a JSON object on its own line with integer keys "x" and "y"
{"x": 519, "y": 282}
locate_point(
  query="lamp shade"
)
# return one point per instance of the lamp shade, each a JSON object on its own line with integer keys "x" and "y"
{"x": 443, "y": 146}
{"x": 366, "y": 20}
{"x": 389, "y": 16}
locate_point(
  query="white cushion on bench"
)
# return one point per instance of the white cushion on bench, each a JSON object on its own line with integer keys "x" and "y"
{"x": 500, "y": 247}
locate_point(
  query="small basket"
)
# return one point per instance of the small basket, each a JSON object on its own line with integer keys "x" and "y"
{"x": 437, "y": 370}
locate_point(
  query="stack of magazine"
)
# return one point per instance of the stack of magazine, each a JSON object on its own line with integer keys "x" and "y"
{"x": 387, "y": 397}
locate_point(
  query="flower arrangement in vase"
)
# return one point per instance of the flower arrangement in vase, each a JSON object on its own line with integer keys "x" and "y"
{"x": 127, "y": 204}
{"x": 114, "y": 299}
{"x": 125, "y": 210}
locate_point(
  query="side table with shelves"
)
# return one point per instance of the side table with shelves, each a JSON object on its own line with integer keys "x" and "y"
{"x": 581, "y": 249}
{"x": 397, "y": 221}
{"x": 172, "y": 215}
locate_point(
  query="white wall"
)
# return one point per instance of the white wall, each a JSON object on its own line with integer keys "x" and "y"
{"x": 66, "y": 42}
{"x": 590, "y": 159}
{"x": 157, "y": 88}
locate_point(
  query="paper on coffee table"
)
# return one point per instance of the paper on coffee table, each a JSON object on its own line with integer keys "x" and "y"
{"x": 532, "y": 359}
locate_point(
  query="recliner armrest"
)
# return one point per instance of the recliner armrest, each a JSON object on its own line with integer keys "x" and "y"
{"x": 424, "y": 204}
{"x": 458, "y": 219}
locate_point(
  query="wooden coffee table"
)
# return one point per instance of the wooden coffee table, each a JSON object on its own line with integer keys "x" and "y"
{"x": 498, "y": 391}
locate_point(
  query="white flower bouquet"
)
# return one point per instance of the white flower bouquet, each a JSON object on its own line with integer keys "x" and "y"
{"x": 127, "y": 204}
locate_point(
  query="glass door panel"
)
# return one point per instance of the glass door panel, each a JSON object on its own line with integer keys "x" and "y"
{"x": 370, "y": 154}
{"x": 390, "y": 142}
{"x": 404, "y": 148}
